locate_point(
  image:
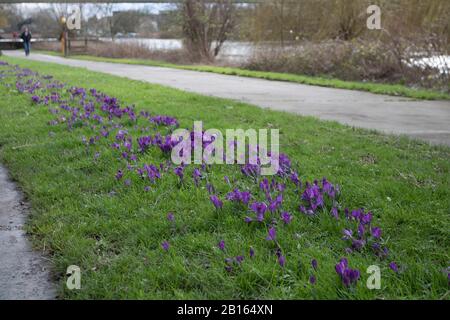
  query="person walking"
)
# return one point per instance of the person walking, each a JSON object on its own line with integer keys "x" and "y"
{"x": 26, "y": 37}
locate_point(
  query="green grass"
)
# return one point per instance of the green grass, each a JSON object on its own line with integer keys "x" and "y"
{"x": 378, "y": 88}
{"x": 115, "y": 237}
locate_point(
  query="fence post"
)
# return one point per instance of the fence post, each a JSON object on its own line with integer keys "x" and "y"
{"x": 66, "y": 44}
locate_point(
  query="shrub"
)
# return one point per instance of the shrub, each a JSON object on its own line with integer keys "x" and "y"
{"x": 357, "y": 60}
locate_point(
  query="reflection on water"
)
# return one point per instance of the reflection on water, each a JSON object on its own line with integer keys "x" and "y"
{"x": 440, "y": 62}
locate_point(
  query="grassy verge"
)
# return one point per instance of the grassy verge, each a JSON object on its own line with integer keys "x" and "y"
{"x": 378, "y": 88}
{"x": 82, "y": 215}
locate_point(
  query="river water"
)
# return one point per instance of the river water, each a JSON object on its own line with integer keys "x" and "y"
{"x": 232, "y": 50}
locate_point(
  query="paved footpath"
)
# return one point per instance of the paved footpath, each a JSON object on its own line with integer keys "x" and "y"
{"x": 426, "y": 120}
{"x": 24, "y": 273}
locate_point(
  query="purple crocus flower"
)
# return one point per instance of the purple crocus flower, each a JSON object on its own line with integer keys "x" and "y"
{"x": 281, "y": 260}
{"x": 358, "y": 244}
{"x": 210, "y": 188}
{"x": 121, "y": 135}
{"x": 318, "y": 203}
{"x": 238, "y": 196}
{"x": 196, "y": 175}
{"x": 314, "y": 264}
{"x": 376, "y": 232}
{"x": 245, "y": 197}
{"x": 341, "y": 266}
{"x": 294, "y": 178}
{"x": 179, "y": 171}
{"x": 356, "y": 214}
{"x": 367, "y": 218}
{"x": 119, "y": 175}
{"x": 221, "y": 245}
{"x": 150, "y": 171}
{"x": 252, "y": 252}
{"x": 312, "y": 280}
{"x": 361, "y": 230}
{"x": 347, "y": 213}
{"x": 165, "y": 245}
{"x": 275, "y": 204}
{"x": 170, "y": 216}
{"x": 239, "y": 259}
{"x": 272, "y": 234}
{"x": 260, "y": 209}
{"x": 127, "y": 182}
{"x": 286, "y": 217}
{"x": 216, "y": 202}
{"x": 128, "y": 145}
{"x": 351, "y": 276}
{"x": 329, "y": 188}
{"x": 285, "y": 164}
{"x": 115, "y": 145}
{"x": 251, "y": 170}
{"x": 393, "y": 266}
{"x": 264, "y": 185}
{"x": 348, "y": 234}
{"x": 308, "y": 212}
{"x": 144, "y": 143}
{"x": 334, "y": 213}
{"x": 164, "y": 120}
{"x": 347, "y": 275}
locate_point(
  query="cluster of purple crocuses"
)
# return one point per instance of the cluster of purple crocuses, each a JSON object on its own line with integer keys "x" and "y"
{"x": 348, "y": 276}
{"x": 365, "y": 234}
{"x": 130, "y": 135}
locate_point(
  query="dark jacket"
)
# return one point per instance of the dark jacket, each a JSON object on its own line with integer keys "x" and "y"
{"x": 26, "y": 37}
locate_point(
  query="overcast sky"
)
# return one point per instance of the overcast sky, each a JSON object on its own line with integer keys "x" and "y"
{"x": 27, "y": 8}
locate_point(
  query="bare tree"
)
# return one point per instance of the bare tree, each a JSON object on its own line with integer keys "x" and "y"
{"x": 349, "y": 18}
{"x": 10, "y": 16}
{"x": 3, "y": 16}
{"x": 57, "y": 11}
{"x": 106, "y": 11}
{"x": 206, "y": 26}
{"x": 279, "y": 6}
